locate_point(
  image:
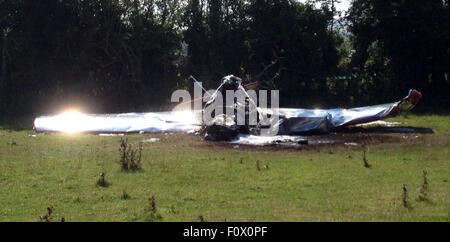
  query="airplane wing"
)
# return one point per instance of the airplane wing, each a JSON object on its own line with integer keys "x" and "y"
{"x": 292, "y": 121}
{"x": 325, "y": 120}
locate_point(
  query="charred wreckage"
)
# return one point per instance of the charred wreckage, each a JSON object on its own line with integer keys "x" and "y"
{"x": 287, "y": 121}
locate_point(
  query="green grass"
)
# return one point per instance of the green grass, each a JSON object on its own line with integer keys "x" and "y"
{"x": 190, "y": 177}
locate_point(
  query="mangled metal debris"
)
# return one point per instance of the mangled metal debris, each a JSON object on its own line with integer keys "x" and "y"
{"x": 291, "y": 121}
{"x": 225, "y": 126}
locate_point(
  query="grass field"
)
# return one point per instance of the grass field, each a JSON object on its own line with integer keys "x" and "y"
{"x": 189, "y": 177}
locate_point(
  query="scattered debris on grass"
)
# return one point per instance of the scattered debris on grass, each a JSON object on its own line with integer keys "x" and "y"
{"x": 152, "y": 140}
{"x": 285, "y": 140}
{"x": 379, "y": 123}
{"x": 351, "y": 144}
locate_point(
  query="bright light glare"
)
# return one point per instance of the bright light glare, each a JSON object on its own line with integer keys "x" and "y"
{"x": 72, "y": 113}
{"x": 317, "y": 111}
{"x": 187, "y": 117}
{"x": 71, "y": 121}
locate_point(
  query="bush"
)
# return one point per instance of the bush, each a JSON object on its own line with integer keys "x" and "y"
{"x": 130, "y": 159}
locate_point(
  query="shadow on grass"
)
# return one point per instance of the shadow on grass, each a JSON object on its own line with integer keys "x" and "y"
{"x": 388, "y": 130}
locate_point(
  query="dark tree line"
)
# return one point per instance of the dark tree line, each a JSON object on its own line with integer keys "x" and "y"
{"x": 400, "y": 45}
{"x": 129, "y": 55}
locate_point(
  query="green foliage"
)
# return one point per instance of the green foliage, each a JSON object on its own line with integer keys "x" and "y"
{"x": 424, "y": 188}
{"x": 129, "y": 55}
{"x": 125, "y": 195}
{"x": 118, "y": 54}
{"x": 130, "y": 158}
{"x": 124, "y": 55}
{"x": 401, "y": 45}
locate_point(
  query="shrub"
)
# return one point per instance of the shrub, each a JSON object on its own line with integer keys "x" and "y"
{"x": 130, "y": 158}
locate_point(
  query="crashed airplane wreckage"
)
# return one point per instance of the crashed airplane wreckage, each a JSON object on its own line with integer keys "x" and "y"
{"x": 223, "y": 127}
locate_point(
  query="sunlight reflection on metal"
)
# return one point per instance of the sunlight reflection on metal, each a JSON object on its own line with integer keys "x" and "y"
{"x": 76, "y": 122}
